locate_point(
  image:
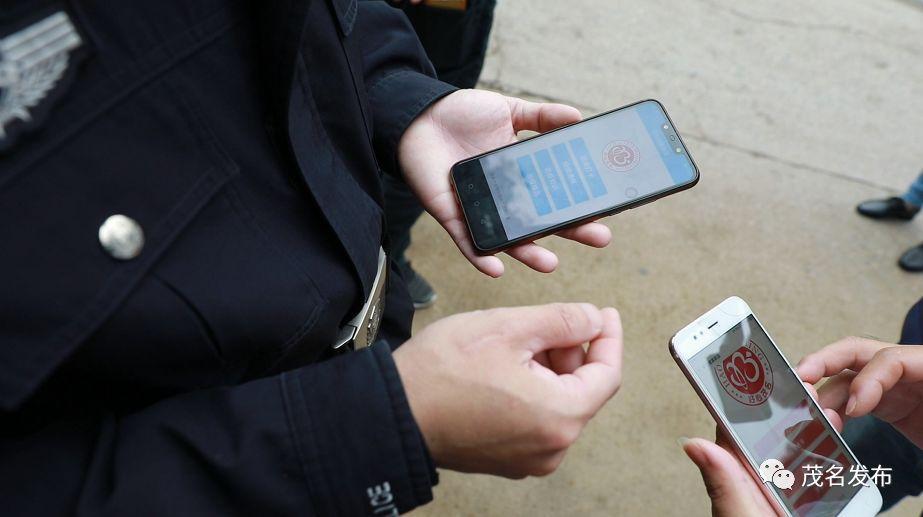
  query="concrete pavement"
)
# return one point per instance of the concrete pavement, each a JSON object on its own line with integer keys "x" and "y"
{"x": 794, "y": 111}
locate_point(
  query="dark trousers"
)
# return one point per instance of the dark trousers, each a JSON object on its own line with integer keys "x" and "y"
{"x": 875, "y": 442}
{"x": 456, "y": 42}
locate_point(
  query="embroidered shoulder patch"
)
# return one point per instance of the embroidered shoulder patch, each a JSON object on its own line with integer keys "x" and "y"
{"x": 33, "y": 64}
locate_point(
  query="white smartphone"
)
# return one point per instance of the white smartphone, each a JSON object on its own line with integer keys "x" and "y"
{"x": 760, "y": 403}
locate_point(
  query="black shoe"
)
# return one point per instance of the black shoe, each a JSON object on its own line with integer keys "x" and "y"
{"x": 421, "y": 292}
{"x": 912, "y": 259}
{"x": 890, "y": 208}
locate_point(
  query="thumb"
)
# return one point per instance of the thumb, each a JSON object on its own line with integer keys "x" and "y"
{"x": 541, "y": 117}
{"x": 557, "y": 325}
{"x": 728, "y": 485}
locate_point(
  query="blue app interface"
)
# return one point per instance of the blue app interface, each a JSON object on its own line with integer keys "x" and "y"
{"x": 602, "y": 163}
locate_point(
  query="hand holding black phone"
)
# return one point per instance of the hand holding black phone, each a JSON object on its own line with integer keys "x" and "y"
{"x": 600, "y": 166}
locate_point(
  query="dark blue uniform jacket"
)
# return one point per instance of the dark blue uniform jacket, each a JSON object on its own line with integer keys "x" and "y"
{"x": 247, "y": 139}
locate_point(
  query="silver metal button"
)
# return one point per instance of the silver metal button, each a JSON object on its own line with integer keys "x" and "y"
{"x": 121, "y": 237}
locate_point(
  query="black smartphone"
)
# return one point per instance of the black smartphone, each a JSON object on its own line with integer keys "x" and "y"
{"x": 596, "y": 167}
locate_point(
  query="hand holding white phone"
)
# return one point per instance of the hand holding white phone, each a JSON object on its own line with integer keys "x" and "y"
{"x": 769, "y": 419}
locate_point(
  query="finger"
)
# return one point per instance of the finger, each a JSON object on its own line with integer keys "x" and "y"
{"x": 851, "y": 353}
{"x": 835, "y": 419}
{"x": 601, "y": 375}
{"x": 830, "y": 401}
{"x": 546, "y": 464}
{"x": 541, "y": 117}
{"x": 834, "y": 393}
{"x": 596, "y": 235}
{"x": 542, "y": 359}
{"x": 544, "y": 327}
{"x": 487, "y": 264}
{"x": 534, "y": 256}
{"x": 729, "y": 486}
{"x": 607, "y": 349}
{"x": 540, "y": 365}
{"x": 566, "y": 360}
{"x": 812, "y": 391}
{"x": 886, "y": 368}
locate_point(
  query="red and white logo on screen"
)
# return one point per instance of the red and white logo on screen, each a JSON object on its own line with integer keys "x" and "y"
{"x": 621, "y": 156}
{"x": 746, "y": 375}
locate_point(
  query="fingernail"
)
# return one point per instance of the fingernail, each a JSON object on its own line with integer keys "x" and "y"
{"x": 695, "y": 453}
{"x": 851, "y": 405}
{"x": 592, "y": 313}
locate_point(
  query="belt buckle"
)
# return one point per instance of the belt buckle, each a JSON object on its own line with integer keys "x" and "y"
{"x": 361, "y": 331}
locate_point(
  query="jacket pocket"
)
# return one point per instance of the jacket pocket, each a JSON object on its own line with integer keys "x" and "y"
{"x": 150, "y": 158}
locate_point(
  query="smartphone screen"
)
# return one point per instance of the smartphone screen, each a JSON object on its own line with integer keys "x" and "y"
{"x": 774, "y": 417}
{"x": 613, "y": 160}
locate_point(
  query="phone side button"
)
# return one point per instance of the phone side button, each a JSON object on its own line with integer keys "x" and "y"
{"x": 645, "y": 202}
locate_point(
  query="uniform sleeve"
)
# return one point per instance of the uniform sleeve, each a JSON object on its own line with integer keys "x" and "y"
{"x": 399, "y": 78}
{"x": 335, "y": 438}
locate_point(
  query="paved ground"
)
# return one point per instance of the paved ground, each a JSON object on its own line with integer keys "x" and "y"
{"x": 794, "y": 111}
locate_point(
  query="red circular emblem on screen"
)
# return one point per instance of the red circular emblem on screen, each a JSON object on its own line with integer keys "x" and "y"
{"x": 621, "y": 156}
{"x": 746, "y": 375}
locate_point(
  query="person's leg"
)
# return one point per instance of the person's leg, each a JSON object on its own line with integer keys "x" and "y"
{"x": 456, "y": 43}
{"x": 401, "y": 211}
{"x": 902, "y": 208}
{"x": 914, "y": 194}
{"x": 877, "y": 443}
{"x": 912, "y": 259}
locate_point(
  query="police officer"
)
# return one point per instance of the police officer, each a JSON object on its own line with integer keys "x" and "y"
{"x": 191, "y": 229}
